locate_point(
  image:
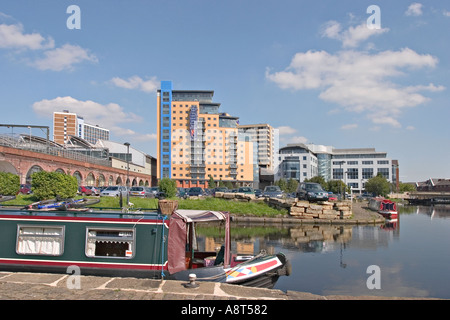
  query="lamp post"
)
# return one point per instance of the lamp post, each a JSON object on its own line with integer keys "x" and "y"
{"x": 128, "y": 171}
{"x": 340, "y": 163}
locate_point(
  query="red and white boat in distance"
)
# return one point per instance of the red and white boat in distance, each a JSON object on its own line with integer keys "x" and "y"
{"x": 387, "y": 208}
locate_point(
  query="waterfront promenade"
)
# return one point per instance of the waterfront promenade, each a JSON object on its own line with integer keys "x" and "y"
{"x": 44, "y": 286}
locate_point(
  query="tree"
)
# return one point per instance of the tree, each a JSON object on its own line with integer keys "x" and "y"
{"x": 211, "y": 182}
{"x": 9, "y": 184}
{"x": 47, "y": 185}
{"x": 407, "y": 187}
{"x": 282, "y": 184}
{"x": 168, "y": 187}
{"x": 378, "y": 185}
{"x": 336, "y": 186}
{"x": 320, "y": 180}
{"x": 292, "y": 185}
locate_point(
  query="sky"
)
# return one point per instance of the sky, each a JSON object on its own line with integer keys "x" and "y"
{"x": 347, "y": 74}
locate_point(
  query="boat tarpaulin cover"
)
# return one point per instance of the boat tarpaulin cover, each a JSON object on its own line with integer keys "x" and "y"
{"x": 177, "y": 234}
{"x": 176, "y": 245}
{"x": 200, "y": 215}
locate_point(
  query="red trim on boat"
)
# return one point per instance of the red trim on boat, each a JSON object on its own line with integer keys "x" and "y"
{"x": 81, "y": 264}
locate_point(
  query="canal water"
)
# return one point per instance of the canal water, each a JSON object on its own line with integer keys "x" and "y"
{"x": 411, "y": 256}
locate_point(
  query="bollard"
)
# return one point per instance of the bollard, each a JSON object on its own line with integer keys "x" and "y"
{"x": 192, "y": 284}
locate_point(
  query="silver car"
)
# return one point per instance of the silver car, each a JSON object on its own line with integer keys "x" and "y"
{"x": 141, "y": 191}
{"x": 114, "y": 191}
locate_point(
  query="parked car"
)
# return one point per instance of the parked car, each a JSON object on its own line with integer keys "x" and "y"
{"x": 311, "y": 191}
{"x": 272, "y": 192}
{"x": 246, "y": 190}
{"x": 154, "y": 192}
{"x": 181, "y": 192}
{"x": 114, "y": 191}
{"x": 84, "y": 191}
{"x": 95, "y": 191}
{"x": 195, "y": 191}
{"x": 25, "y": 188}
{"x": 140, "y": 191}
{"x": 258, "y": 193}
{"x": 332, "y": 197}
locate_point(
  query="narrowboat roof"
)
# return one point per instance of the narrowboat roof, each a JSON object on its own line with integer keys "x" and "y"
{"x": 85, "y": 214}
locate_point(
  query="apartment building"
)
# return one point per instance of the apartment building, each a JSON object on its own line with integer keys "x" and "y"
{"x": 266, "y": 138}
{"x": 196, "y": 141}
{"x": 67, "y": 124}
{"x": 353, "y": 166}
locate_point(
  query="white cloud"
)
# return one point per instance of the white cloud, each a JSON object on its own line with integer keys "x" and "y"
{"x": 63, "y": 58}
{"x": 136, "y": 82}
{"x": 287, "y": 135}
{"x": 110, "y": 116}
{"x": 349, "y": 126}
{"x": 446, "y": 13}
{"x": 297, "y": 139}
{"x": 46, "y": 56}
{"x": 286, "y": 130}
{"x": 415, "y": 9}
{"x": 359, "y": 81}
{"x": 13, "y": 36}
{"x": 351, "y": 37}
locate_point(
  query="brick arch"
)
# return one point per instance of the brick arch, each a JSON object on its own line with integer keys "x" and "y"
{"x": 77, "y": 174}
{"x": 90, "y": 179}
{"x": 8, "y": 167}
{"x": 31, "y": 170}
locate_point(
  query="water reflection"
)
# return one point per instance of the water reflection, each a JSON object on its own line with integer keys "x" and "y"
{"x": 330, "y": 259}
{"x": 247, "y": 239}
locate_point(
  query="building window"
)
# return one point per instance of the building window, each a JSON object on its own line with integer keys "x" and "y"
{"x": 40, "y": 240}
{"x": 352, "y": 173}
{"x": 384, "y": 172}
{"x": 338, "y": 174}
{"x": 110, "y": 242}
{"x": 367, "y": 173}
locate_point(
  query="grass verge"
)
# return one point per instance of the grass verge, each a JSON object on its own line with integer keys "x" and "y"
{"x": 234, "y": 207}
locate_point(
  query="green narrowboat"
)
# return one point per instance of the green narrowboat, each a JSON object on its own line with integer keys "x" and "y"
{"x": 142, "y": 244}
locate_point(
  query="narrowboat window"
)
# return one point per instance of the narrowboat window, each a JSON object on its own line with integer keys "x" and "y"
{"x": 110, "y": 242}
{"x": 40, "y": 240}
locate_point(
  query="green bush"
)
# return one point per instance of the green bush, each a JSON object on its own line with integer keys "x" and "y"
{"x": 47, "y": 185}
{"x": 169, "y": 187}
{"x": 9, "y": 184}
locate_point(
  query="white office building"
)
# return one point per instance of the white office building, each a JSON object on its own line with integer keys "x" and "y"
{"x": 353, "y": 166}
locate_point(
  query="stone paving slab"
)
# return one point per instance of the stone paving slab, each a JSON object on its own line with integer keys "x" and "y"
{"x": 42, "y": 286}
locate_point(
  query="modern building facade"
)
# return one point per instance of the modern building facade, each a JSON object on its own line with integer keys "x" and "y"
{"x": 266, "y": 139}
{"x": 197, "y": 142}
{"x": 298, "y": 162}
{"x": 353, "y": 166}
{"x": 67, "y": 123}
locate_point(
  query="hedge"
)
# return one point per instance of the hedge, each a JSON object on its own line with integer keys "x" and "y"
{"x": 9, "y": 184}
{"x": 48, "y": 185}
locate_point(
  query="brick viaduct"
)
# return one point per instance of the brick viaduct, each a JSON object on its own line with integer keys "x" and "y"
{"x": 24, "y": 162}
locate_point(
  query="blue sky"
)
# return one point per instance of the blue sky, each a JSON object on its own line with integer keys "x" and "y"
{"x": 313, "y": 69}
